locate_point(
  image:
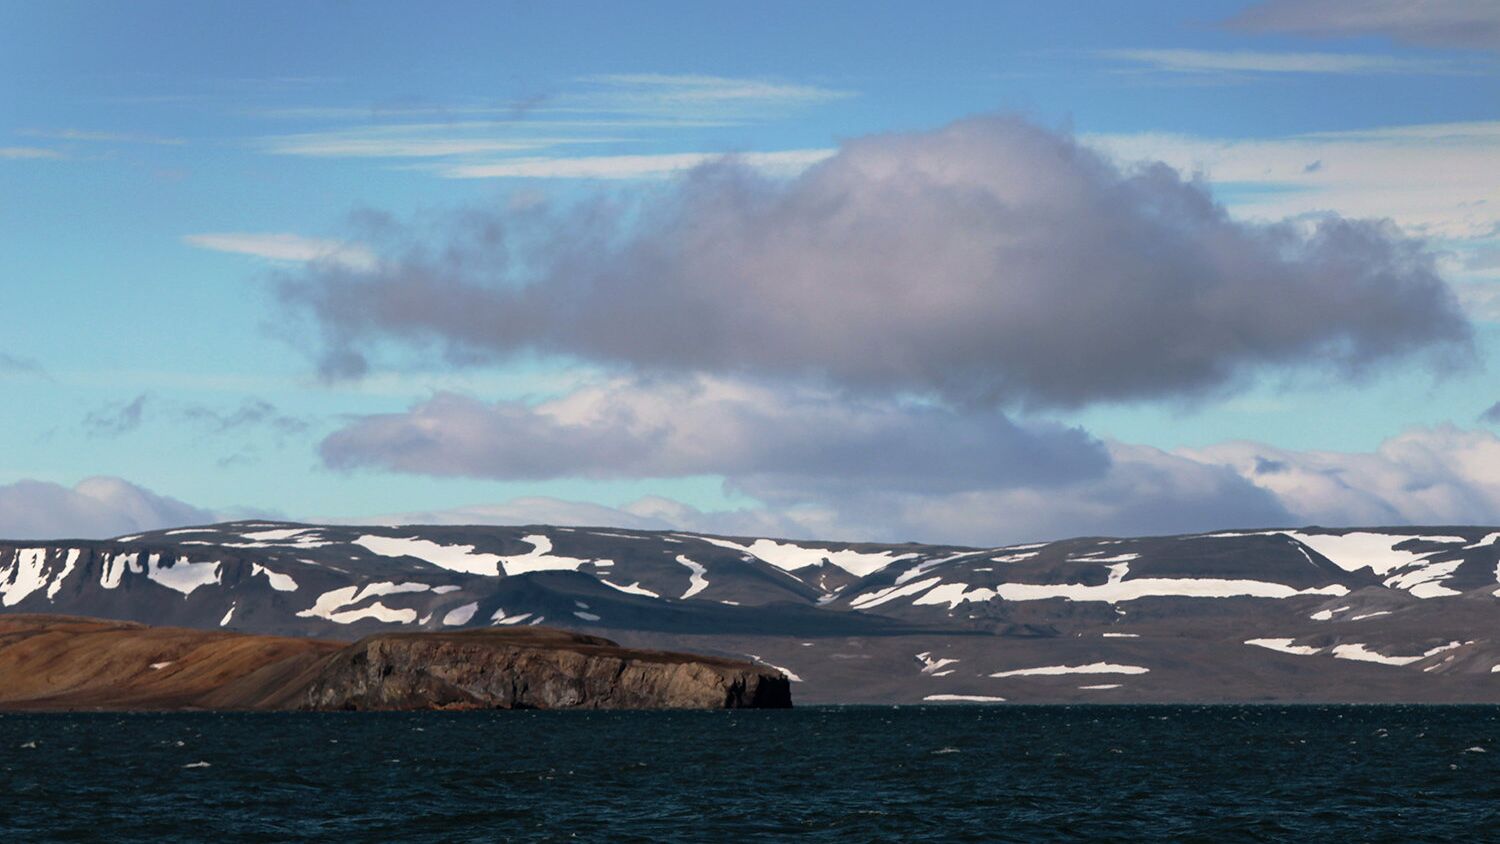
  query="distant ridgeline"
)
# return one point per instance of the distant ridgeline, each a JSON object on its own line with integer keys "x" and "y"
{"x": 1377, "y": 614}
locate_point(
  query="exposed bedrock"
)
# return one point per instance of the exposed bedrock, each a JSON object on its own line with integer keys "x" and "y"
{"x": 533, "y": 669}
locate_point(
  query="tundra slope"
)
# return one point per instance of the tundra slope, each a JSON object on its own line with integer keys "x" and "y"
{"x": 1375, "y": 614}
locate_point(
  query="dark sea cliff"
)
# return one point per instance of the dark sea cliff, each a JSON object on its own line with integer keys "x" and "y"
{"x": 961, "y": 773}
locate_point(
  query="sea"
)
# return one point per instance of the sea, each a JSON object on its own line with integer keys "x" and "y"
{"x": 910, "y": 773}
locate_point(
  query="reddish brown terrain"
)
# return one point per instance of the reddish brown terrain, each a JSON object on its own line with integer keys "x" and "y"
{"x": 50, "y": 662}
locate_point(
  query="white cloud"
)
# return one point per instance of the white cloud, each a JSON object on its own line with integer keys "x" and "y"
{"x": 697, "y": 93}
{"x": 1480, "y": 298}
{"x": 94, "y": 509}
{"x": 530, "y": 510}
{"x": 1437, "y": 475}
{"x": 1433, "y": 476}
{"x": 103, "y": 137}
{"x": 1257, "y": 61}
{"x": 25, "y": 153}
{"x": 1434, "y": 180}
{"x": 285, "y": 247}
{"x": 787, "y": 162}
{"x": 415, "y": 140}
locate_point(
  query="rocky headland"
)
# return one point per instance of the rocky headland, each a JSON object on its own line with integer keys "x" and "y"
{"x": 71, "y": 663}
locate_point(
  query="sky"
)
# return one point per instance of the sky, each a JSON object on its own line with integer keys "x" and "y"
{"x": 973, "y": 273}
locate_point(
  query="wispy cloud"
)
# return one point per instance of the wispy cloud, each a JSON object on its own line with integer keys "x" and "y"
{"x": 613, "y": 108}
{"x": 251, "y": 413}
{"x": 632, "y": 166}
{"x": 25, "y": 153}
{"x": 102, "y": 137}
{"x": 1263, "y": 62}
{"x": 658, "y": 93}
{"x": 281, "y": 246}
{"x": 418, "y": 140}
{"x": 17, "y": 365}
{"x": 116, "y": 419}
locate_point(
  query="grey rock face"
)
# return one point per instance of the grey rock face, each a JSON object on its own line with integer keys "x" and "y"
{"x": 533, "y": 670}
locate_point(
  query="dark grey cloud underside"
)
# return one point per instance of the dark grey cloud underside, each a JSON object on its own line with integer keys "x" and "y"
{"x": 987, "y": 262}
{"x": 1463, "y": 24}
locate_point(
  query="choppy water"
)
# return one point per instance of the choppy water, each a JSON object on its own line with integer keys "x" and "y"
{"x": 819, "y": 774}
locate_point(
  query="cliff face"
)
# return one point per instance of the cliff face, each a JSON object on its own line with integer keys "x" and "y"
{"x": 72, "y": 663}
{"x": 533, "y": 669}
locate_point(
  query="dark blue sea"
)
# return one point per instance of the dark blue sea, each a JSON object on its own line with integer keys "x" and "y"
{"x": 988, "y": 773}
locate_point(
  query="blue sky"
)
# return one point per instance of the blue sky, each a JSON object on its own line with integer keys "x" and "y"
{"x": 168, "y": 168}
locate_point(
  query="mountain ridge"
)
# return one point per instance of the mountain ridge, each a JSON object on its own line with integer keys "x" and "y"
{"x": 1309, "y": 613}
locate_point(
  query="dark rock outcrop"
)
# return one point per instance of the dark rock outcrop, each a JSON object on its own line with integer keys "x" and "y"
{"x": 533, "y": 668}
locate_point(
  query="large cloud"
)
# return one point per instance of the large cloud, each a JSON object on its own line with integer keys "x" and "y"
{"x": 1471, "y": 24}
{"x": 94, "y": 509}
{"x": 805, "y": 439}
{"x": 989, "y": 261}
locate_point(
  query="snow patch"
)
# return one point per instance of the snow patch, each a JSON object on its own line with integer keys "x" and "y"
{"x": 931, "y": 666}
{"x": 112, "y": 572}
{"x": 1362, "y": 653}
{"x": 954, "y": 594}
{"x": 182, "y": 576}
{"x": 69, "y": 563}
{"x": 1284, "y": 646}
{"x": 460, "y": 615}
{"x": 1160, "y": 587}
{"x": 1426, "y": 581}
{"x": 791, "y": 557}
{"x": 697, "y": 579}
{"x": 1361, "y": 549}
{"x": 330, "y": 605}
{"x": 964, "y": 699}
{"x": 460, "y": 558}
{"x": 788, "y": 672}
{"x": 540, "y": 558}
{"x": 891, "y": 593}
{"x": 279, "y": 582}
{"x": 633, "y": 589}
{"x": 24, "y": 575}
{"x": 1091, "y": 668}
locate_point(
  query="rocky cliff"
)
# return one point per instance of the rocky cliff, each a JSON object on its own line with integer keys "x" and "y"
{"x": 533, "y": 669}
{"x": 71, "y": 663}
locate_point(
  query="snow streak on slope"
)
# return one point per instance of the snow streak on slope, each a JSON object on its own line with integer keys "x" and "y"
{"x": 791, "y": 557}
{"x": 459, "y": 558}
{"x": 1055, "y": 670}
